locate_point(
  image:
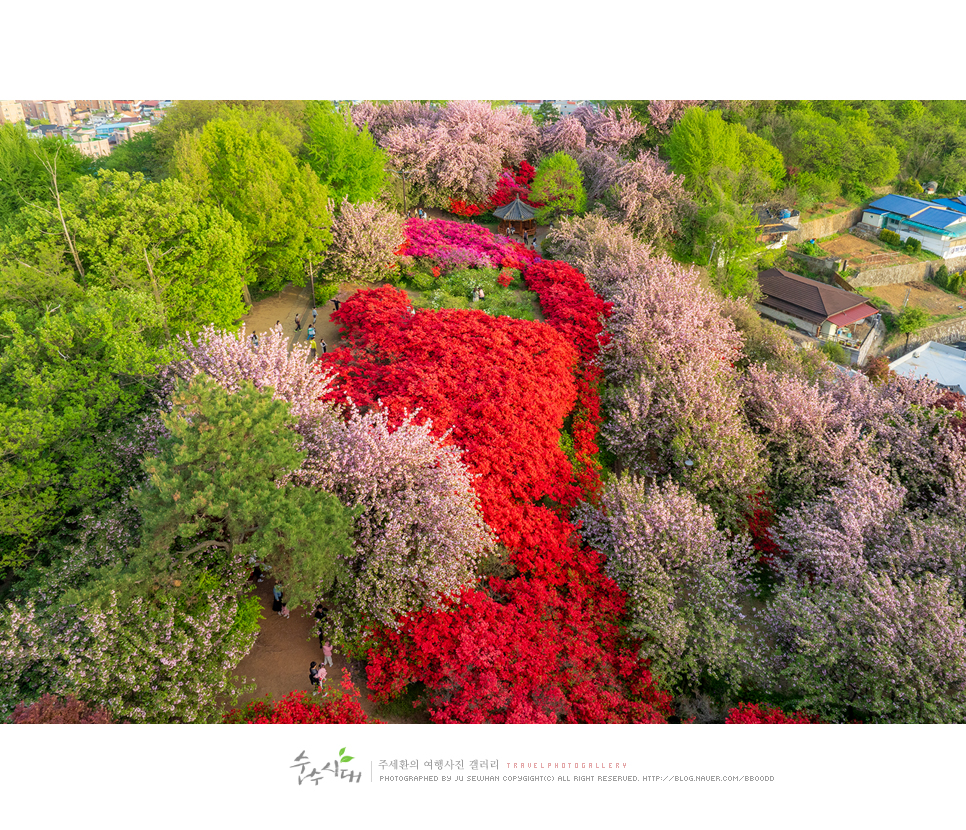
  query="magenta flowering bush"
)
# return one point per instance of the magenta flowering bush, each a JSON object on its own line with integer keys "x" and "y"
{"x": 462, "y": 245}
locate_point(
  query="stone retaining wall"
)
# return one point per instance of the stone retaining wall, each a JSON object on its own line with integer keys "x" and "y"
{"x": 826, "y": 226}
{"x": 910, "y": 272}
{"x": 816, "y": 264}
{"x": 951, "y": 331}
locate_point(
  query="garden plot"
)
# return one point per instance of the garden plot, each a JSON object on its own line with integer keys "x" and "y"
{"x": 922, "y": 295}
{"x": 862, "y": 253}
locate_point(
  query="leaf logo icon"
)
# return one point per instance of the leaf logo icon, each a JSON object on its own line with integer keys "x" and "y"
{"x": 343, "y": 758}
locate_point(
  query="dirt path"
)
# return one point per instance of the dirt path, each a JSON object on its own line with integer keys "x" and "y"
{"x": 283, "y": 307}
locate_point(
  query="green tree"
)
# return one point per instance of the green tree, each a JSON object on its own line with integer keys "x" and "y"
{"x": 726, "y": 241}
{"x": 559, "y": 184}
{"x": 137, "y": 155}
{"x": 74, "y": 368}
{"x": 911, "y": 320}
{"x": 711, "y": 153}
{"x": 546, "y": 113}
{"x": 345, "y": 159}
{"x": 220, "y": 487}
{"x": 281, "y": 205}
{"x": 154, "y": 238}
{"x": 24, "y": 168}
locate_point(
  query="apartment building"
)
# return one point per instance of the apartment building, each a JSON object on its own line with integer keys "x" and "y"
{"x": 11, "y": 112}
{"x": 58, "y": 112}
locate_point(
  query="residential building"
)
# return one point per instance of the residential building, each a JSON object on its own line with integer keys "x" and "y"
{"x": 940, "y": 225}
{"x": 774, "y": 225}
{"x": 93, "y": 105}
{"x": 821, "y": 311}
{"x": 11, "y": 112}
{"x": 127, "y": 131}
{"x": 95, "y": 148}
{"x": 58, "y": 112}
{"x": 33, "y": 109}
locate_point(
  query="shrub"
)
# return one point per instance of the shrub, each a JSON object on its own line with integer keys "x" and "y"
{"x": 941, "y": 277}
{"x": 54, "y": 709}
{"x": 760, "y": 713}
{"x": 889, "y": 237}
{"x": 835, "y": 353}
{"x": 913, "y": 246}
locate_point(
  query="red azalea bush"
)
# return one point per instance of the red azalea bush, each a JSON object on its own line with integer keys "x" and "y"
{"x": 339, "y": 706}
{"x": 571, "y": 306}
{"x": 54, "y": 709}
{"x": 761, "y": 713}
{"x": 509, "y": 186}
{"x": 503, "y": 386}
{"x": 528, "y": 653}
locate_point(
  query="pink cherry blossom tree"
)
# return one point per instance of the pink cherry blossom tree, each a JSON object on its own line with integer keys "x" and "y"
{"x": 365, "y": 238}
{"x": 683, "y": 578}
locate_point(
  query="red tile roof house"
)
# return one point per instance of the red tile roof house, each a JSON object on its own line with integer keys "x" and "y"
{"x": 819, "y": 310}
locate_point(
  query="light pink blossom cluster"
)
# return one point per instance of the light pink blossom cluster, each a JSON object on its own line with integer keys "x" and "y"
{"x": 665, "y": 114}
{"x": 683, "y": 578}
{"x": 457, "y": 151}
{"x": 365, "y": 238}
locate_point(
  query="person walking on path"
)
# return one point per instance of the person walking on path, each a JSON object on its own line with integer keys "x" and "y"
{"x": 315, "y": 314}
{"x": 324, "y": 345}
{"x": 313, "y": 676}
{"x": 311, "y": 333}
{"x": 313, "y": 349}
{"x": 255, "y": 341}
{"x": 277, "y": 599}
{"x": 298, "y": 323}
{"x": 327, "y": 654}
{"x": 321, "y": 678}
{"x": 336, "y": 303}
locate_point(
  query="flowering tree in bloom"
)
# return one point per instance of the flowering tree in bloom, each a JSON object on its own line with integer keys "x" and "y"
{"x": 565, "y": 136}
{"x": 147, "y": 646}
{"x": 599, "y": 168}
{"x": 649, "y": 198}
{"x": 417, "y": 531}
{"x": 609, "y": 128}
{"x": 682, "y": 576}
{"x": 815, "y": 432}
{"x": 418, "y": 535}
{"x": 673, "y": 404}
{"x": 338, "y": 706}
{"x": 365, "y": 238}
{"x": 868, "y": 619}
{"x": 453, "y": 152}
{"x": 665, "y": 114}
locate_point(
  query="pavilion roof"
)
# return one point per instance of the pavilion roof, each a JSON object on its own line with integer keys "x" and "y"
{"x": 516, "y": 211}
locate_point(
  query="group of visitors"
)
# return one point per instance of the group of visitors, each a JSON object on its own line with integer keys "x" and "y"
{"x": 478, "y": 295}
{"x": 317, "y": 671}
{"x": 419, "y": 213}
{"x": 529, "y": 236}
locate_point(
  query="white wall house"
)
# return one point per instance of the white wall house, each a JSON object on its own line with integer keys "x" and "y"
{"x": 939, "y": 225}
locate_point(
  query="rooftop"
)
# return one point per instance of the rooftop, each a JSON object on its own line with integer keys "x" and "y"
{"x": 812, "y": 299}
{"x": 942, "y": 364}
